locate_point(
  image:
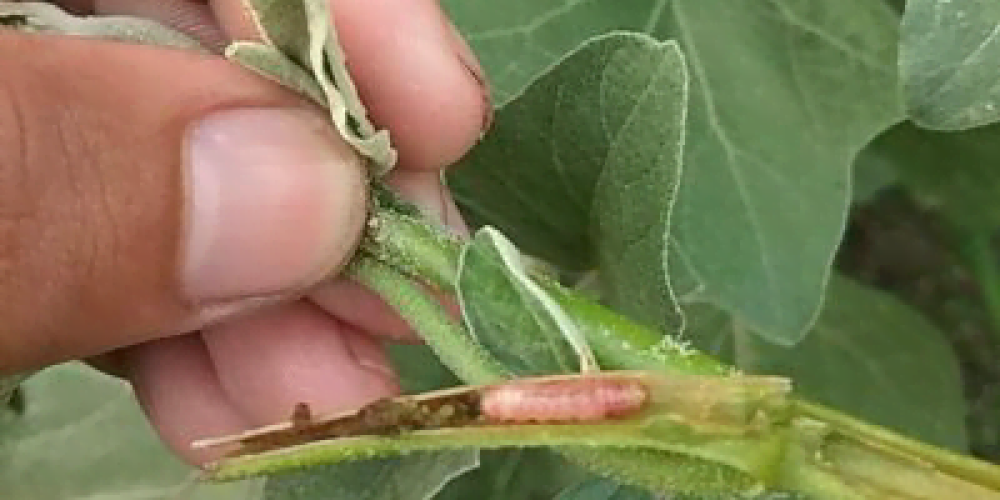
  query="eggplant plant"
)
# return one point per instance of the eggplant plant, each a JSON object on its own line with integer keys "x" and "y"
{"x": 648, "y": 299}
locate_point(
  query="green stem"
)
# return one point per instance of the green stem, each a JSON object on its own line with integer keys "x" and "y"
{"x": 880, "y": 438}
{"x": 426, "y": 315}
{"x": 834, "y": 443}
{"x": 398, "y": 235}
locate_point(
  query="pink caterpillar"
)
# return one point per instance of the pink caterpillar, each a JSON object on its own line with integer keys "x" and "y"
{"x": 568, "y": 400}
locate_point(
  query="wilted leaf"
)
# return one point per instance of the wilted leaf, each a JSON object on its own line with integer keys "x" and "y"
{"x": 83, "y": 436}
{"x": 582, "y": 168}
{"x": 868, "y": 355}
{"x": 273, "y": 64}
{"x": 302, "y": 34}
{"x": 950, "y": 62}
{"x": 45, "y": 17}
{"x": 417, "y": 476}
{"x": 784, "y": 94}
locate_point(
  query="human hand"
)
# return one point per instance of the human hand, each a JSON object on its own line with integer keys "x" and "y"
{"x": 189, "y": 218}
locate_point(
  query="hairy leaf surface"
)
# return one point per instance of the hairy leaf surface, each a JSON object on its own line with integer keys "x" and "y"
{"x": 948, "y": 61}
{"x": 784, "y": 94}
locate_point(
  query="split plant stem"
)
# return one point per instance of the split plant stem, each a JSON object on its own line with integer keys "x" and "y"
{"x": 829, "y": 455}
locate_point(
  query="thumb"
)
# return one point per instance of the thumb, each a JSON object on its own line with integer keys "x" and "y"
{"x": 147, "y": 191}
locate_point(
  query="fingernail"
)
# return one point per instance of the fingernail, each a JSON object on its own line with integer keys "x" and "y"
{"x": 427, "y": 191}
{"x": 475, "y": 68}
{"x": 275, "y": 202}
{"x": 465, "y": 53}
{"x": 370, "y": 356}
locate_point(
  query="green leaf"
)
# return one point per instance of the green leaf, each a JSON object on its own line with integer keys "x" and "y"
{"x": 868, "y": 355}
{"x": 638, "y": 184}
{"x": 418, "y": 369}
{"x": 583, "y": 167}
{"x": 408, "y": 248}
{"x": 954, "y": 172}
{"x": 515, "y": 474}
{"x": 302, "y": 35}
{"x": 602, "y": 489}
{"x": 417, "y": 476}
{"x": 45, "y": 17}
{"x": 83, "y": 436}
{"x": 784, "y": 94}
{"x": 510, "y": 315}
{"x": 948, "y": 62}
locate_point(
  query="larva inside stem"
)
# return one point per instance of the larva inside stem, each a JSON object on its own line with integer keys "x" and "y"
{"x": 583, "y": 399}
{"x": 735, "y": 402}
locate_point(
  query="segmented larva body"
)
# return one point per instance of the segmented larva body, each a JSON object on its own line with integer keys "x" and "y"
{"x": 571, "y": 400}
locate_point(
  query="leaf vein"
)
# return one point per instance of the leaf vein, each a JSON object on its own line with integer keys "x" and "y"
{"x": 846, "y": 48}
{"x": 537, "y": 23}
{"x": 731, "y": 153}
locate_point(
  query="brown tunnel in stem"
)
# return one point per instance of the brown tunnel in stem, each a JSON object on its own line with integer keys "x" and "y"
{"x": 384, "y": 417}
{"x": 544, "y": 400}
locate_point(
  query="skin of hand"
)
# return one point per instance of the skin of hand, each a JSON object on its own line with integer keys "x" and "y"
{"x": 183, "y": 220}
